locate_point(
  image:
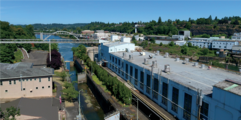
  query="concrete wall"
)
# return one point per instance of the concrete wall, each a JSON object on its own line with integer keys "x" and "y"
{"x": 14, "y": 90}
{"x": 92, "y": 52}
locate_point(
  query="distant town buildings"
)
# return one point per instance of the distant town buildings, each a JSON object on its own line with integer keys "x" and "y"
{"x": 185, "y": 33}
{"x": 87, "y": 32}
{"x": 21, "y": 80}
{"x": 236, "y": 36}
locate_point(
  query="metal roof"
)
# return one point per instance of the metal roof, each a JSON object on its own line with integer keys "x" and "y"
{"x": 184, "y": 74}
{"x": 116, "y": 43}
{"x": 236, "y": 47}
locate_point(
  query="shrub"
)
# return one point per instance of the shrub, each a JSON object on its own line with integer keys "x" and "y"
{"x": 171, "y": 43}
{"x": 55, "y": 60}
{"x": 151, "y": 49}
{"x": 160, "y": 44}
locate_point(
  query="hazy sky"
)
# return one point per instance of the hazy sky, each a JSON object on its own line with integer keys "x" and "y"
{"x": 82, "y": 11}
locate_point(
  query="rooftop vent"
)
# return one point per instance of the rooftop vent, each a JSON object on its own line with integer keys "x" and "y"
{"x": 203, "y": 66}
{"x": 146, "y": 61}
{"x": 130, "y": 57}
{"x": 142, "y": 53}
{"x": 167, "y": 68}
{"x": 177, "y": 59}
{"x": 157, "y": 53}
{"x": 196, "y": 64}
{"x": 154, "y": 64}
{"x": 186, "y": 61}
{"x": 124, "y": 54}
{"x": 150, "y": 56}
{"x": 166, "y": 55}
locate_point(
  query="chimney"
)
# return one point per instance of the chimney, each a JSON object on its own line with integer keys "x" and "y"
{"x": 167, "y": 68}
{"x": 177, "y": 59}
{"x": 154, "y": 64}
{"x": 157, "y": 53}
{"x": 146, "y": 61}
{"x": 196, "y": 64}
{"x": 166, "y": 55}
{"x": 203, "y": 66}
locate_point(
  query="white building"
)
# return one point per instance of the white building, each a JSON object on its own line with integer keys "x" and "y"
{"x": 205, "y": 43}
{"x": 180, "y": 43}
{"x": 236, "y": 36}
{"x": 114, "y": 37}
{"x": 137, "y": 37}
{"x": 224, "y": 44}
{"x": 125, "y": 39}
{"x": 106, "y": 48}
{"x": 179, "y": 37}
{"x": 101, "y": 35}
{"x": 236, "y": 49}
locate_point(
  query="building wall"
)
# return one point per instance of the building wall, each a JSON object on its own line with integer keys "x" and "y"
{"x": 201, "y": 44}
{"x": 14, "y": 90}
{"x": 222, "y": 105}
{"x": 114, "y": 37}
{"x": 125, "y": 39}
{"x": 223, "y": 44}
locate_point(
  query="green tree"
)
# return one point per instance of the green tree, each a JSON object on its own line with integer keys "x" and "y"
{"x": 69, "y": 91}
{"x": 133, "y": 38}
{"x": 184, "y": 50}
{"x": 10, "y": 113}
{"x": 205, "y": 51}
{"x": 188, "y": 25}
{"x": 189, "y": 44}
{"x": 6, "y": 54}
{"x": 62, "y": 74}
{"x": 171, "y": 43}
{"x": 170, "y": 34}
{"x": 153, "y": 40}
{"x": 160, "y": 44}
{"x": 159, "y": 21}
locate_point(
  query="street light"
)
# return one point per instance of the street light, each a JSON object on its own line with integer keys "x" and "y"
{"x": 136, "y": 99}
{"x": 79, "y": 101}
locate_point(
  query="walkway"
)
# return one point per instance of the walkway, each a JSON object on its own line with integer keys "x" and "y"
{"x": 155, "y": 107}
{"x": 25, "y": 56}
{"x": 71, "y": 112}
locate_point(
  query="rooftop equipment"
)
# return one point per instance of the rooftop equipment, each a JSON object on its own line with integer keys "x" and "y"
{"x": 203, "y": 66}
{"x": 166, "y": 55}
{"x": 167, "y": 68}
{"x": 154, "y": 64}
{"x": 177, "y": 59}
{"x": 150, "y": 56}
{"x": 157, "y": 53}
{"x": 186, "y": 61}
{"x": 196, "y": 64}
{"x": 142, "y": 53}
{"x": 130, "y": 57}
{"x": 146, "y": 61}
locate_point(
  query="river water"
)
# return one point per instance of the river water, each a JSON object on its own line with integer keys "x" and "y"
{"x": 89, "y": 105}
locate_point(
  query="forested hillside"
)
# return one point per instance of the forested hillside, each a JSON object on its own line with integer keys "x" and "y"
{"x": 14, "y": 32}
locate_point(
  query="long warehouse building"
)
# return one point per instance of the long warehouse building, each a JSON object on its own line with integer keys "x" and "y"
{"x": 184, "y": 90}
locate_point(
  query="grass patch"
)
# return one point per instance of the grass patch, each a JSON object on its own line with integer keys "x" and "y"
{"x": 69, "y": 104}
{"x": 18, "y": 56}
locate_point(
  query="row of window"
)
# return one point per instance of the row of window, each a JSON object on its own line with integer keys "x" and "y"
{"x": 30, "y": 91}
{"x": 14, "y": 81}
{"x": 175, "y": 92}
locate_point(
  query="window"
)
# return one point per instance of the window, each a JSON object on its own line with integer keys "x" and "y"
{"x": 119, "y": 62}
{"x": 10, "y": 82}
{"x": 30, "y": 79}
{"x": 1, "y": 82}
{"x": 39, "y": 79}
{"x": 164, "y": 93}
{"x": 126, "y": 71}
{"x": 35, "y": 79}
{"x": 23, "y": 88}
{"x": 131, "y": 71}
{"x": 36, "y": 87}
{"x": 48, "y": 78}
{"x": 136, "y": 76}
{"x": 115, "y": 60}
{"x": 156, "y": 87}
{"x": 14, "y": 81}
{"x": 48, "y": 86}
{"x": 142, "y": 80}
{"x": 42, "y": 87}
{"x": 187, "y": 107}
{"x": 204, "y": 110}
{"x": 148, "y": 83}
{"x": 175, "y": 94}
{"x": 26, "y": 79}
{"x": 110, "y": 58}
{"x": 6, "y": 90}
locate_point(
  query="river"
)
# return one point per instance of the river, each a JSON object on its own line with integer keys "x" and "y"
{"x": 89, "y": 105}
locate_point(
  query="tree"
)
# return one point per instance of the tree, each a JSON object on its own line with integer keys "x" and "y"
{"x": 133, "y": 38}
{"x": 63, "y": 75}
{"x": 205, "y": 51}
{"x": 210, "y": 18}
{"x": 188, "y": 25}
{"x": 69, "y": 91}
{"x": 159, "y": 21}
{"x": 55, "y": 60}
{"x": 216, "y": 18}
{"x": 170, "y": 34}
{"x": 6, "y": 54}
{"x": 184, "y": 50}
{"x": 160, "y": 44}
{"x": 171, "y": 43}
{"x": 189, "y": 44}
{"x": 153, "y": 40}
{"x": 10, "y": 112}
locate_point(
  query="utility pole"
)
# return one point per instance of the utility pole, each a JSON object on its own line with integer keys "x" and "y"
{"x": 21, "y": 81}
{"x": 49, "y": 51}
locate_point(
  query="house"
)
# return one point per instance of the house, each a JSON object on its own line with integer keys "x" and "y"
{"x": 224, "y": 44}
{"x": 236, "y": 49}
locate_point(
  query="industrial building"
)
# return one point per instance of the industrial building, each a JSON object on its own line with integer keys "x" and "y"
{"x": 21, "y": 80}
{"x": 177, "y": 39}
{"x": 185, "y": 89}
{"x": 185, "y": 33}
{"x": 114, "y": 37}
{"x": 236, "y": 49}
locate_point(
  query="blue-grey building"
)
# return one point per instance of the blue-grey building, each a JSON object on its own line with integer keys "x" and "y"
{"x": 180, "y": 88}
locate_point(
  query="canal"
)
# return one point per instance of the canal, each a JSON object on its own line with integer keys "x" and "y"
{"x": 89, "y": 105}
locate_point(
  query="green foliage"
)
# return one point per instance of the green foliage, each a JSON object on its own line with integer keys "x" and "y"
{"x": 153, "y": 40}
{"x": 69, "y": 91}
{"x": 10, "y": 113}
{"x": 144, "y": 44}
{"x": 171, "y": 43}
{"x": 62, "y": 74}
{"x": 205, "y": 51}
{"x": 184, "y": 50}
{"x": 18, "y": 56}
{"x": 188, "y": 25}
{"x": 203, "y": 36}
{"x": 151, "y": 49}
{"x": 189, "y": 44}
{"x": 133, "y": 38}
{"x": 160, "y": 44}
{"x": 118, "y": 89}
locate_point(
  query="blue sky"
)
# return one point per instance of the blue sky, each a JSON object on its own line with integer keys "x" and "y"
{"x": 81, "y": 11}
